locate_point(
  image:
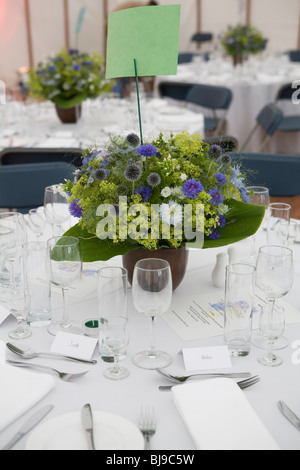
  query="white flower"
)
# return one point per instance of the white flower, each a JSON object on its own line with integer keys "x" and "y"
{"x": 223, "y": 209}
{"x": 166, "y": 192}
{"x": 171, "y": 213}
{"x": 183, "y": 177}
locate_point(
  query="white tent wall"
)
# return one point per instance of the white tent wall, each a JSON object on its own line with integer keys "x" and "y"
{"x": 277, "y": 19}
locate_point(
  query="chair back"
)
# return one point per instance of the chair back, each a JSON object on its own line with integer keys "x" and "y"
{"x": 174, "y": 90}
{"x": 22, "y": 186}
{"x": 19, "y": 156}
{"x": 294, "y": 55}
{"x": 209, "y": 96}
{"x": 285, "y": 92}
{"x": 270, "y": 118}
{"x": 202, "y": 37}
{"x": 279, "y": 173}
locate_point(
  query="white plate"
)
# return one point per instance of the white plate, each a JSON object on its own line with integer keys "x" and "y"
{"x": 111, "y": 432}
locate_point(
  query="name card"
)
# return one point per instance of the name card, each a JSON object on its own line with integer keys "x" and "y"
{"x": 212, "y": 358}
{"x": 79, "y": 347}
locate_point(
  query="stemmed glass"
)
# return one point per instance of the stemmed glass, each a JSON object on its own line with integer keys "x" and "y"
{"x": 274, "y": 277}
{"x": 152, "y": 295}
{"x": 272, "y": 326}
{"x": 18, "y": 303}
{"x": 279, "y": 214}
{"x": 260, "y": 196}
{"x": 116, "y": 334}
{"x": 56, "y": 206}
{"x": 12, "y": 237}
{"x": 37, "y": 222}
{"x": 64, "y": 266}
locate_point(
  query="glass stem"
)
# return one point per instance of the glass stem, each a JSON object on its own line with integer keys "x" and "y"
{"x": 116, "y": 368}
{"x": 12, "y": 272}
{"x": 66, "y": 321}
{"x": 152, "y": 352}
{"x": 270, "y": 353}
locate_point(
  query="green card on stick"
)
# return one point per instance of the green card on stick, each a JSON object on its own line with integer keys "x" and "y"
{"x": 150, "y": 35}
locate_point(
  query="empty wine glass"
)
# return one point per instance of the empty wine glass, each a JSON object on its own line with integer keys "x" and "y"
{"x": 64, "y": 266}
{"x": 274, "y": 278}
{"x": 278, "y": 223}
{"x": 56, "y": 206}
{"x": 152, "y": 295}
{"x": 18, "y": 304}
{"x": 37, "y": 222}
{"x": 12, "y": 237}
{"x": 272, "y": 324}
{"x": 260, "y": 196}
{"x": 116, "y": 332}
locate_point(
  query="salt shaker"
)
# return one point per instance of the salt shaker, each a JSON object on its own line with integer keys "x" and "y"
{"x": 218, "y": 274}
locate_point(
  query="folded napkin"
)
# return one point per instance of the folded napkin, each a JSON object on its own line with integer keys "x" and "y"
{"x": 20, "y": 390}
{"x": 219, "y": 416}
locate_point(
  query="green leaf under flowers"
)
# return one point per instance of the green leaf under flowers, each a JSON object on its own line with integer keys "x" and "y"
{"x": 66, "y": 104}
{"x": 244, "y": 221}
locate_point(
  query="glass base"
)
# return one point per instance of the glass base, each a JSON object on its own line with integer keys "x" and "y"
{"x": 116, "y": 374}
{"x": 260, "y": 343}
{"x": 71, "y": 328}
{"x": 145, "y": 360}
{"x": 270, "y": 360}
{"x": 22, "y": 334}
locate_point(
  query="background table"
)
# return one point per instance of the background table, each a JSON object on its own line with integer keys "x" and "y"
{"x": 126, "y": 397}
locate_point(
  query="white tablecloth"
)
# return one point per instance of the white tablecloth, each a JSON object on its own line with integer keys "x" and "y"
{"x": 254, "y": 85}
{"x": 126, "y": 397}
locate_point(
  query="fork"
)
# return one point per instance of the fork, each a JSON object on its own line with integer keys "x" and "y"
{"x": 147, "y": 424}
{"x": 243, "y": 384}
{"x": 62, "y": 375}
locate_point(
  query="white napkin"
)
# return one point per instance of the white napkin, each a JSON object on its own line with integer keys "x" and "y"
{"x": 219, "y": 417}
{"x": 20, "y": 390}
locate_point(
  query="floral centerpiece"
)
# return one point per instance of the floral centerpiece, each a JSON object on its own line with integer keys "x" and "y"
{"x": 241, "y": 41}
{"x": 68, "y": 78}
{"x": 171, "y": 193}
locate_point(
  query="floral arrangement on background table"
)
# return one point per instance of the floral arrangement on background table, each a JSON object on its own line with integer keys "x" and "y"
{"x": 69, "y": 78}
{"x": 169, "y": 174}
{"x": 243, "y": 40}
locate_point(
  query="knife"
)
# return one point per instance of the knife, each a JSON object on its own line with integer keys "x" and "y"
{"x": 30, "y": 424}
{"x": 87, "y": 422}
{"x": 289, "y": 414}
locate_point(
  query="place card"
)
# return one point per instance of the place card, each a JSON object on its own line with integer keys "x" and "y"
{"x": 79, "y": 347}
{"x": 212, "y": 358}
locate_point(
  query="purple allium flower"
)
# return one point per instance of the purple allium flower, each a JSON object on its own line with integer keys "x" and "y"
{"x": 147, "y": 150}
{"x": 214, "y": 235}
{"x": 192, "y": 188}
{"x": 73, "y": 51}
{"x": 222, "y": 221}
{"x": 216, "y": 196}
{"x": 75, "y": 209}
{"x": 144, "y": 191}
{"x": 133, "y": 139}
{"x": 214, "y": 152}
{"x": 221, "y": 178}
{"x": 132, "y": 172}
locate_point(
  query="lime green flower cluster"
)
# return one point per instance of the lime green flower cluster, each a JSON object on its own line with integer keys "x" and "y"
{"x": 151, "y": 193}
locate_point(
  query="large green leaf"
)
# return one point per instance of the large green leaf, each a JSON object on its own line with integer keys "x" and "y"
{"x": 245, "y": 219}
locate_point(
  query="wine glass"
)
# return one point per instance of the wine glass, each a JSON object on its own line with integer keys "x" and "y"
{"x": 272, "y": 324}
{"x": 279, "y": 215}
{"x": 12, "y": 237}
{"x": 64, "y": 266}
{"x": 152, "y": 295}
{"x": 37, "y": 222}
{"x": 18, "y": 303}
{"x": 56, "y": 206}
{"x": 260, "y": 196}
{"x": 274, "y": 277}
{"x": 116, "y": 333}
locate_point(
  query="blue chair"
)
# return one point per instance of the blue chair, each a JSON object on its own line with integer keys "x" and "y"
{"x": 289, "y": 123}
{"x": 22, "y": 186}
{"x": 294, "y": 55}
{"x": 187, "y": 57}
{"x": 214, "y": 98}
{"x": 19, "y": 156}
{"x": 199, "y": 38}
{"x": 176, "y": 91}
{"x": 269, "y": 119}
{"x": 279, "y": 173}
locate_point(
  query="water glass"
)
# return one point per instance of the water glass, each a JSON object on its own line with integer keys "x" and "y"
{"x": 112, "y": 302}
{"x": 116, "y": 334}
{"x": 239, "y": 305}
{"x": 56, "y": 207}
{"x": 278, "y": 223}
{"x": 18, "y": 304}
{"x": 39, "y": 286}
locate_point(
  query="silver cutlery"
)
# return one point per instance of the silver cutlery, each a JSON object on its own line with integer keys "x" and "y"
{"x": 29, "y": 353}
{"x": 243, "y": 385}
{"x": 289, "y": 414}
{"x": 176, "y": 378}
{"x": 35, "y": 419}
{"x": 66, "y": 377}
{"x": 147, "y": 425}
{"x": 87, "y": 422}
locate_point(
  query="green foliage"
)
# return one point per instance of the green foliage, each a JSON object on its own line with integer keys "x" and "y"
{"x": 243, "y": 40}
